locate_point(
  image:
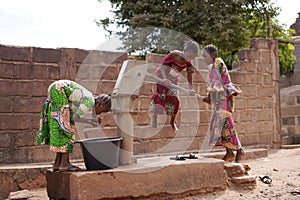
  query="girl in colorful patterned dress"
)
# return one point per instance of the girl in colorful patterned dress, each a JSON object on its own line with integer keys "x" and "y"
{"x": 221, "y": 92}
{"x": 165, "y": 100}
{"x": 66, "y": 101}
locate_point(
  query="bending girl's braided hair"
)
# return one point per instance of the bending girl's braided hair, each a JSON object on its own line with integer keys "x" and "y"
{"x": 211, "y": 49}
{"x": 104, "y": 99}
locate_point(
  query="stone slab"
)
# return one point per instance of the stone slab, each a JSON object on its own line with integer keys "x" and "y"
{"x": 149, "y": 177}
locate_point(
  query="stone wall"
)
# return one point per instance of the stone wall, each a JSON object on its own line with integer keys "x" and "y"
{"x": 26, "y": 73}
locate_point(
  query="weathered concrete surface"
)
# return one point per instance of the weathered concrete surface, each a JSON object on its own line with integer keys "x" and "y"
{"x": 249, "y": 154}
{"x": 149, "y": 178}
{"x": 19, "y": 177}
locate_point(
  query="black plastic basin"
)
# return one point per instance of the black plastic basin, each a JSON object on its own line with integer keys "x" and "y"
{"x": 101, "y": 153}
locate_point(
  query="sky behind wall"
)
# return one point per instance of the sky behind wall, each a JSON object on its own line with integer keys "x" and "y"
{"x": 71, "y": 23}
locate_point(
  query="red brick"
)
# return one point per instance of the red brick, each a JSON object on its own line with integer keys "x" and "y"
{"x": 7, "y": 70}
{"x": 146, "y": 90}
{"x": 105, "y": 87}
{"x": 54, "y": 72}
{"x": 110, "y": 73}
{"x": 14, "y": 122}
{"x": 6, "y": 105}
{"x": 28, "y": 71}
{"x": 266, "y": 56}
{"x": 85, "y": 72}
{"x": 154, "y": 58}
{"x": 21, "y": 104}
{"x": 265, "y": 91}
{"x": 141, "y": 118}
{"x": 249, "y": 90}
{"x": 80, "y": 55}
{"x": 264, "y": 68}
{"x": 249, "y": 54}
{"x": 260, "y": 43}
{"x": 39, "y": 88}
{"x": 245, "y": 65}
{"x": 12, "y": 53}
{"x": 46, "y": 55}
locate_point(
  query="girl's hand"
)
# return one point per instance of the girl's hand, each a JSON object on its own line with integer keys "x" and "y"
{"x": 192, "y": 92}
{"x": 207, "y": 100}
{"x": 167, "y": 82}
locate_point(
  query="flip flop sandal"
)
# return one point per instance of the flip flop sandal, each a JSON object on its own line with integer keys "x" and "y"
{"x": 266, "y": 179}
{"x": 178, "y": 157}
{"x": 55, "y": 169}
{"x": 192, "y": 156}
{"x": 295, "y": 192}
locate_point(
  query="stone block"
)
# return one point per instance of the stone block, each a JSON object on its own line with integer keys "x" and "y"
{"x": 45, "y": 55}
{"x": 149, "y": 177}
{"x": 7, "y": 104}
{"x": 245, "y": 65}
{"x": 80, "y": 55}
{"x": 35, "y": 71}
{"x": 154, "y": 58}
{"x": 7, "y": 70}
{"x": 265, "y": 91}
{"x": 110, "y": 73}
{"x": 249, "y": 54}
{"x": 235, "y": 169}
{"x": 15, "y": 122}
{"x": 54, "y": 72}
{"x": 288, "y": 120}
{"x": 266, "y": 56}
{"x": 40, "y": 88}
{"x": 260, "y": 43}
{"x": 267, "y": 79}
{"x": 12, "y": 53}
{"x": 25, "y": 177}
{"x": 244, "y": 182}
{"x": 105, "y": 87}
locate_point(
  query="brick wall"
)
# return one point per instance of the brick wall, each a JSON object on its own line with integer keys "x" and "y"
{"x": 26, "y": 72}
{"x": 257, "y": 108}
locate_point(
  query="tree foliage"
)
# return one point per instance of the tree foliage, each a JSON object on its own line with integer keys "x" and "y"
{"x": 229, "y": 24}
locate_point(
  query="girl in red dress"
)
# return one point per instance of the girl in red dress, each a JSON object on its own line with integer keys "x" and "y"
{"x": 165, "y": 99}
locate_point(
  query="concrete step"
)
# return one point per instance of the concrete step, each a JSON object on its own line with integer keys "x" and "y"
{"x": 236, "y": 169}
{"x": 244, "y": 182}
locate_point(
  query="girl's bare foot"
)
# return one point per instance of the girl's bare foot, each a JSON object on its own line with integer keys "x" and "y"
{"x": 229, "y": 155}
{"x": 238, "y": 156}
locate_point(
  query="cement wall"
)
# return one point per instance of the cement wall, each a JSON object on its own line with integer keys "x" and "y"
{"x": 290, "y": 106}
{"x": 26, "y": 73}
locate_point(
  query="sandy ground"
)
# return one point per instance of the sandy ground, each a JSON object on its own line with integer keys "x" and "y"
{"x": 282, "y": 166}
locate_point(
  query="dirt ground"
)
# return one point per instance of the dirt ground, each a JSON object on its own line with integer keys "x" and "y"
{"x": 282, "y": 166}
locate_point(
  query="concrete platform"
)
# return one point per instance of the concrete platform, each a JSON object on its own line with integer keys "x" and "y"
{"x": 33, "y": 175}
{"x": 149, "y": 178}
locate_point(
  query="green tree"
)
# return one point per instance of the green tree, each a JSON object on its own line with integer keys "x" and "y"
{"x": 229, "y": 24}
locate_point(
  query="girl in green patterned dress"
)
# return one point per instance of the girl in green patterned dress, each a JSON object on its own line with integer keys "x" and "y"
{"x": 66, "y": 101}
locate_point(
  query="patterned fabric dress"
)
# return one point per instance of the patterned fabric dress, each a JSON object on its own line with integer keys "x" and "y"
{"x": 165, "y": 100}
{"x": 222, "y": 92}
{"x": 56, "y": 126}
